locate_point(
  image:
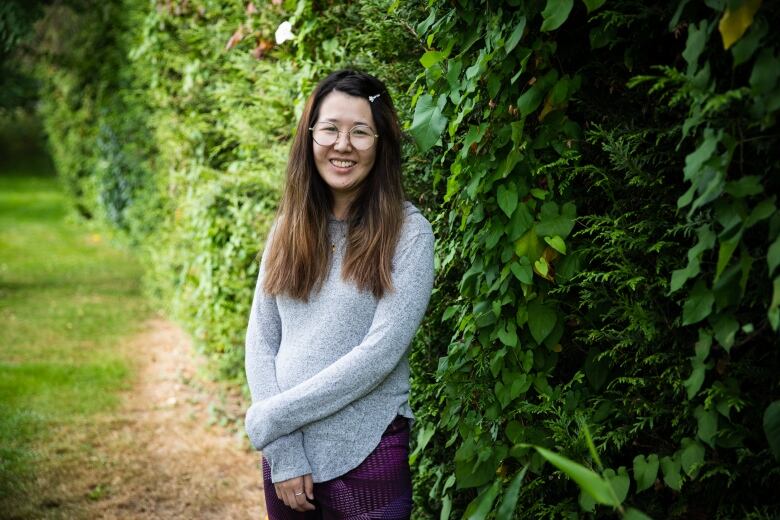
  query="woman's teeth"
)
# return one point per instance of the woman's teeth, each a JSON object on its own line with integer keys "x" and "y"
{"x": 342, "y": 164}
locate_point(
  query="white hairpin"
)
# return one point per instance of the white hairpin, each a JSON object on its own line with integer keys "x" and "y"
{"x": 372, "y": 98}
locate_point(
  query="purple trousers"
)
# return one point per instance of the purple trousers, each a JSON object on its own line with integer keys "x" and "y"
{"x": 379, "y": 488}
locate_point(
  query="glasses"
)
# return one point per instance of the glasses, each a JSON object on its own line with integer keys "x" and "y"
{"x": 362, "y": 137}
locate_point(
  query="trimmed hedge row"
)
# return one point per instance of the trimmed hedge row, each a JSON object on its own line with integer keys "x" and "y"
{"x": 601, "y": 180}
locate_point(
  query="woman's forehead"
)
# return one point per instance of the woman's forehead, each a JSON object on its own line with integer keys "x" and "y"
{"x": 341, "y": 108}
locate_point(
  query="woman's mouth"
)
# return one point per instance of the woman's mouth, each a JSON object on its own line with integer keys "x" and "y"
{"x": 342, "y": 165}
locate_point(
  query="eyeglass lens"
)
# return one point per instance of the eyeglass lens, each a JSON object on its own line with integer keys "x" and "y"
{"x": 360, "y": 136}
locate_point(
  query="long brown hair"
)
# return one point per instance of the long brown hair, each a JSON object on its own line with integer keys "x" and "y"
{"x": 299, "y": 256}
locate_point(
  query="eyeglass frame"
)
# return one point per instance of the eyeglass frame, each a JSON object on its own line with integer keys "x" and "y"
{"x": 339, "y": 132}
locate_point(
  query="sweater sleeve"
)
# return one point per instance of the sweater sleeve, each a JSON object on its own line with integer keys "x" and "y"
{"x": 397, "y": 316}
{"x": 285, "y": 454}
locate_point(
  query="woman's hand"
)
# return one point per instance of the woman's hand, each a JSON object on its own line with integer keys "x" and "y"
{"x": 287, "y": 489}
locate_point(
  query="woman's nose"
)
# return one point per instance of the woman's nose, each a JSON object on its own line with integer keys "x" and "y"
{"x": 342, "y": 142}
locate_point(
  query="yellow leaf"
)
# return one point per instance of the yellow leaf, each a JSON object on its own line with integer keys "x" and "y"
{"x": 733, "y": 24}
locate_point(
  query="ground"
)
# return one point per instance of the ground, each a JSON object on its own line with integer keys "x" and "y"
{"x": 156, "y": 456}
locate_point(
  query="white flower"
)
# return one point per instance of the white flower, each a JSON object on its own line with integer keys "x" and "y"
{"x": 284, "y": 33}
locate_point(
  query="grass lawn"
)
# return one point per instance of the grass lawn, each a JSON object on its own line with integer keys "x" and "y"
{"x": 66, "y": 298}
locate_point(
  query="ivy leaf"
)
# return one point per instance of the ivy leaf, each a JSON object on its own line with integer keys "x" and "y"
{"x": 507, "y": 198}
{"x": 522, "y": 270}
{"x": 431, "y": 58}
{"x": 773, "y": 313}
{"x": 592, "y": 5}
{"x": 554, "y": 223}
{"x": 555, "y": 13}
{"x": 734, "y": 23}
{"x": 680, "y": 276}
{"x": 708, "y": 424}
{"x": 428, "y": 123}
{"x": 696, "y": 159}
{"x": 645, "y": 471}
{"x": 520, "y": 222}
{"x": 691, "y": 457}
{"x": 765, "y": 72}
{"x": 746, "y": 46}
{"x": 541, "y": 320}
{"x": 694, "y": 46}
{"x": 508, "y": 334}
{"x": 772, "y": 428}
{"x": 479, "y": 508}
{"x": 699, "y": 304}
{"x": 725, "y": 329}
{"x": 635, "y": 514}
{"x": 509, "y": 502}
{"x": 671, "y": 470}
{"x": 556, "y": 243}
{"x": 619, "y": 482}
{"x": 773, "y": 255}
{"x": 745, "y": 186}
{"x": 514, "y": 38}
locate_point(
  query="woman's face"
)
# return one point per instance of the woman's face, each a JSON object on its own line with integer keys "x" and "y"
{"x": 342, "y": 166}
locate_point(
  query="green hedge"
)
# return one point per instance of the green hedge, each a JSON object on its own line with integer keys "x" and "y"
{"x": 601, "y": 180}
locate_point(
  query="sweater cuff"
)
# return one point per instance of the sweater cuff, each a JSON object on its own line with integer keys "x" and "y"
{"x": 286, "y": 457}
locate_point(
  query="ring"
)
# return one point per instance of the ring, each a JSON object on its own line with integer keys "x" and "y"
{"x": 301, "y": 493}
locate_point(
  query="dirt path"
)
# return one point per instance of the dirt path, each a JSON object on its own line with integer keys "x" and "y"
{"x": 157, "y": 457}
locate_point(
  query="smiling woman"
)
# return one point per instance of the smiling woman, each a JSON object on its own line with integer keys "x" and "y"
{"x": 343, "y": 284}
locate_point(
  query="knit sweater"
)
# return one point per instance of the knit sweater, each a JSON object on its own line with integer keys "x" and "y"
{"x": 328, "y": 376}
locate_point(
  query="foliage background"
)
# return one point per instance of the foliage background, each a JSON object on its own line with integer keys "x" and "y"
{"x": 602, "y": 185}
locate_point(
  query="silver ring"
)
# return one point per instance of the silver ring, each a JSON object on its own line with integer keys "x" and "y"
{"x": 301, "y": 493}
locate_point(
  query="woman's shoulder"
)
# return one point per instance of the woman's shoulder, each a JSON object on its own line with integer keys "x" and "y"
{"x": 415, "y": 222}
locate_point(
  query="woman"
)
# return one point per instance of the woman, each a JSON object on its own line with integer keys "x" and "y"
{"x": 344, "y": 282}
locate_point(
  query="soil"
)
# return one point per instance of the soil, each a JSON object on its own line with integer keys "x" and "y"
{"x": 166, "y": 453}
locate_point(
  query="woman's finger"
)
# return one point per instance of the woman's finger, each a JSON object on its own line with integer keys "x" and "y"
{"x": 308, "y": 485}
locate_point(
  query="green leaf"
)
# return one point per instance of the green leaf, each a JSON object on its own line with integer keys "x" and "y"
{"x": 773, "y": 255}
{"x": 555, "y": 13}
{"x": 552, "y": 222}
{"x": 726, "y": 250}
{"x": 645, "y": 471}
{"x": 619, "y": 482}
{"x": 446, "y": 508}
{"x": 522, "y": 270}
{"x": 431, "y": 58}
{"x": 708, "y": 424}
{"x": 745, "y": 186}
{"x": 696, "y": 159}
{"x": 520, "y": 222}
{"x": 699, "y": 304}
{"x": 671, "y": 470}
{"x": 479, "y": 508}
{"x": 765, "y": 72}
{"x": 772, "y": 428}
{"x": 588, "y": 480}
{"x": 773, "y": 313}
{"x": 541, "y": 320}
{"x": 507, "y": 198}
{"x": 428, "y": 123}
{"x": 514, "y": 38}
{"x": 556, "y": 243}
{"x": 635, "y": 514}
{"x": 694, "y": 46}
{"x": 511, "y": 494}
{"x": 745, "y": 47}
{"x": 725, "y": 329}
{"x": 508, "y": 334}
{"x": 706, "y": 241}
{"x": 691, "y": 457}
{"x": 592, "y": 5}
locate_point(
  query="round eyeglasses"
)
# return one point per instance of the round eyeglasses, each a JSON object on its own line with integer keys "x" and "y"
{"x": 361, "y": 137}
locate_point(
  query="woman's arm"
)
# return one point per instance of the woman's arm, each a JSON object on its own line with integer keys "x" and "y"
{"x": 285, "y": 454}
{"x": 396, "y": 319}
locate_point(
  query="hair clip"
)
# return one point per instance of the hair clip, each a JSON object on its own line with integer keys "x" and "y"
{"x": 372, "y": 98}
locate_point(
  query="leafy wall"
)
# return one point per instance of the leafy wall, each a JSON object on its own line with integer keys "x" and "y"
{"x": 602, "y": 181}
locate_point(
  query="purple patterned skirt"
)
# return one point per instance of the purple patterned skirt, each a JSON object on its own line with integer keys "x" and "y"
{"x": 379, "y": 488}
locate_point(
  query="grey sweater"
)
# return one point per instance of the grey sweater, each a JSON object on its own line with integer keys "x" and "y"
{"x": 328, "y": 376}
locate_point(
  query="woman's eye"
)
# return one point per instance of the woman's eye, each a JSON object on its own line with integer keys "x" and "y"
{"x": 329, "y": 129}
{"x": 361, "y": 132}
